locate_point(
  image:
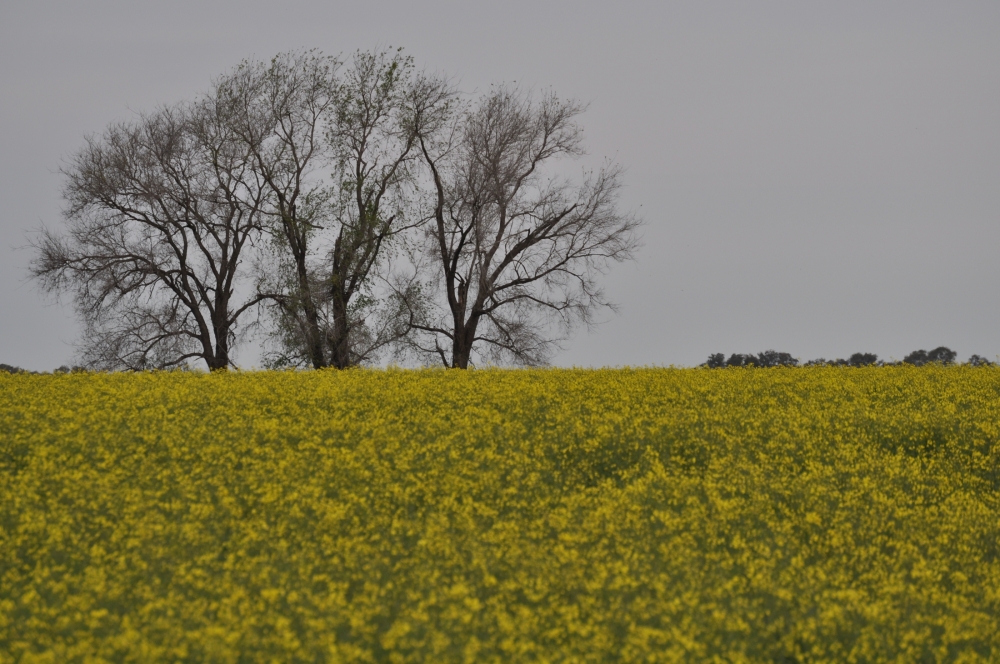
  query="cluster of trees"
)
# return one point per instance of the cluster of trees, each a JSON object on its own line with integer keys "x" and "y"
{"x": 7, "y": 368}
{"x": 941, "y": 355}
{"x": 771, "y": 358}
{"x": 855, "y": 360}
{"x": 768, "y": 358}
{"x": 343, "y": 210}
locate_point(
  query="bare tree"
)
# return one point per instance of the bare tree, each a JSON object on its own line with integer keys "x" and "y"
{"x": 516, "y": 251}
{"x": 384, "y": 106}
{"x": 280, "y": 111}
{"x": 320, "y": 170}
{"x": 160, "y": 214}
{"x": 299, "y": 120}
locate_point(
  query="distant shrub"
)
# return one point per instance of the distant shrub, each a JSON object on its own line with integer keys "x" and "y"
{"x": 940, "y": 355}
{"x": 855, "y": 360}
{"x": 741, "y": 360}
{"x": 772, "y": 358}
{"x": 768, "y": 358}
{"x": 716, "y": 361}
{"x": 862, "y": 359}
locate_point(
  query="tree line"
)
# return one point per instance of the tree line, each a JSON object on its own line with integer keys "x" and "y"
{"x": 771, "y": 358}
{"x": 342, "y": 211}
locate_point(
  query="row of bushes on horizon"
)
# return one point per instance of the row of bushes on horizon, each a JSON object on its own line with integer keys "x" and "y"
{"x": 768, "y": 358}
{"x": 7, "y": 368}
{"x": 772, "y": 358}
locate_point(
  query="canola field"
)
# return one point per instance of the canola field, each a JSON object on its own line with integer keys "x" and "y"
{"x": 635, "y": 515}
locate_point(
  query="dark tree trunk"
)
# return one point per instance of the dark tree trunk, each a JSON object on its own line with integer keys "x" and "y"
{"x": 218, "y": 360}
{"x": 461, "y": 349}
{"x": 314, "y": 338}
{"x": 339, "y": 335}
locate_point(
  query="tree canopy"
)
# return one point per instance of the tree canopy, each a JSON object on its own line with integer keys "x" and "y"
{"x": 340, "y": 210}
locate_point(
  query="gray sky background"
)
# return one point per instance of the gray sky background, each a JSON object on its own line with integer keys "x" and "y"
{"x": 817, "y": 178}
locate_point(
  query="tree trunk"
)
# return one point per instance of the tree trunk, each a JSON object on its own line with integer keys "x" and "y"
{"x": 219, "y": 360}
{"x": 461, "y": 348}
{"x": 340, "y": 347}
{"x": 314, "y": 339}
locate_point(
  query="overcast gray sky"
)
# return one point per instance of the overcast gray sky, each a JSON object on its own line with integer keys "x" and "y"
{"x": 817, "y": 178}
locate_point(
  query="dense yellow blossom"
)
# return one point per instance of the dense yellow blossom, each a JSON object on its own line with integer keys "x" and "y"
{"x": 655, "y": 515}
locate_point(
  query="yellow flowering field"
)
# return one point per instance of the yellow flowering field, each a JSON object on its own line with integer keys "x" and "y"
{"x": 639, "y": 515}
